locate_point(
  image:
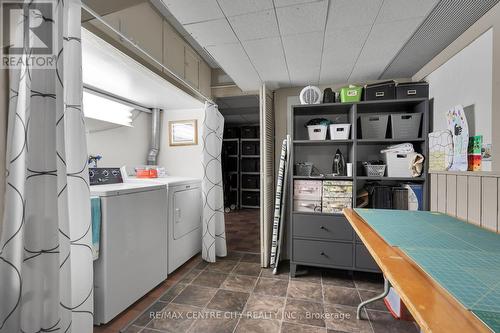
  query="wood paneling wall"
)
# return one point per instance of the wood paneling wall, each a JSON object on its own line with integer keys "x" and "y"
{"x": 469, "y": 196}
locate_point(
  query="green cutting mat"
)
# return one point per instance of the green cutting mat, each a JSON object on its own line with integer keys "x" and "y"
{"x": 462, "y": 258}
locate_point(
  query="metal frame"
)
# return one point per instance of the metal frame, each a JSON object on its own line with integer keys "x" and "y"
{"x": 361, "y": 305}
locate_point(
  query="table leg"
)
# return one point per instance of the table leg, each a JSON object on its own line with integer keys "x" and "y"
{"x": 376, "y": 298}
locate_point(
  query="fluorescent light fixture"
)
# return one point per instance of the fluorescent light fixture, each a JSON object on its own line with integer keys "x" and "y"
{"x": 104, "y": 109}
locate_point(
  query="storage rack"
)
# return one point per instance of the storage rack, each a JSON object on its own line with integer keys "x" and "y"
{"x": 310, "y": 233}
{"x": 235, "y": 190}
{"x": 252, "y": 174}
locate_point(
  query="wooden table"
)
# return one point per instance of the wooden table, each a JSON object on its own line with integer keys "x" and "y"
{"x": 433, "y": 308}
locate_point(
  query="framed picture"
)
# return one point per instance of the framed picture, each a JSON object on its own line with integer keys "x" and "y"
{"x": 183, "y": 132}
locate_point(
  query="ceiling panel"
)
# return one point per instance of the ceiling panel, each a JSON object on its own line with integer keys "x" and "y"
{"x": 268, "y": 58}
{"x": 302, "y": 18}
{"x": 238, "y": 7}
{"x": 382, "y": 45}
{"x": 396, "y": 10}
{"x": 214, "y": 32}
{"x": 190, "y": 11}
{"x": 255, "y": 25}
{"x": 235, "y": 62}
{"x": 351, "y": 13}
{"x": 284, "y": 3}
{"x": 340, "y": 52}
{"x": 303, "y": 55}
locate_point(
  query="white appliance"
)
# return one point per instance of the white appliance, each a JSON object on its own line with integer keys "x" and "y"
{"x": 184, "y": 202}
{"x": 133, "y": 247}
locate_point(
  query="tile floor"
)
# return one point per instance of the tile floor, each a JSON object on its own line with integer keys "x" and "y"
{"x": 243, "y": 230}
{"x": 235, "y": 295}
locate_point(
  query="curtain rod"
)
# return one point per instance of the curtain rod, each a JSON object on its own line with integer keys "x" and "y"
{"x": 129, "y": 41}
{"x": 99, "y": 92}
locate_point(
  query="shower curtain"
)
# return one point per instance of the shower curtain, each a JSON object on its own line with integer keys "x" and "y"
{"x": 46, "y": 269}
{"x": 214, "y": 235}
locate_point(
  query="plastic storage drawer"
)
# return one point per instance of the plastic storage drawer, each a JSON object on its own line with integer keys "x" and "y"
{"x": 231, "y": 147}
{"x": 250, "y": 132}
{"x": 412, "y": 90}
{"x": 250, "y": 181}
{"x": 250, "y": 165}
{"x": 231, "y": 133}
{"x": 250, "y": 148}
{"x": 232, "y": 164}
{"x": 307, "y": 189}
{"x": 380, "y": 91}
{"x": 250, "y": 198}
{"x": 374, "y": 126}
{"x": 307, "y": 205}
{"x": 405, "y": 125}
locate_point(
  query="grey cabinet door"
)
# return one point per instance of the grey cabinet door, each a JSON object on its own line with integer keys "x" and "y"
{"x": 323, "y": 253}
{"x": 324, "y": 227}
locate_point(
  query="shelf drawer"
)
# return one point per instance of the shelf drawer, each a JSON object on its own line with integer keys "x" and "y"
{"x": 364, "y": 259}
{"x": 325, "y": 227}
{"x": 323, "y": 253}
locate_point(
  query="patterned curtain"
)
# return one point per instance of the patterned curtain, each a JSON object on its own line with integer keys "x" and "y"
{"x": 46, "y": 269}
{"x": 214, "y": 234}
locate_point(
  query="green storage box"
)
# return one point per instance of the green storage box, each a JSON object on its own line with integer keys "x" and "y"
{"x": 351, "y": 94}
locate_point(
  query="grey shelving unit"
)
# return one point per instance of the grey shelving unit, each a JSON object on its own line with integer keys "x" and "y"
{"x": 253, "y": 191}
{"x": 328, "y": 240}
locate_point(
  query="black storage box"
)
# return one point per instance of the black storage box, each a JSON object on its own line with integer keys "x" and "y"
{"x": 250, "y": 132}
{"x": 380, "y": 91}
{"x": 250, "y": 198}
{"x": 412, "y": 90}
{"x": 231, "y": 133}
{"x": 250, "y": 181}
{"x": 234, "y": 180}
{"x": 232, "y": 164}
{"x": 250, "y": 148}
{"x": 231, "y": 147}
{"x": 250, "y": 165}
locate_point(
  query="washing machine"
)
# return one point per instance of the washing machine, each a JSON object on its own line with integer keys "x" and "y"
{"x": 184, "y": 217}
{"x": 133, "y": 246}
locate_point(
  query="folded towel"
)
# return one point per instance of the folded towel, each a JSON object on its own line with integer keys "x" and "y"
{"x": 401, "y": 148}
{"x": 95, "y": 207}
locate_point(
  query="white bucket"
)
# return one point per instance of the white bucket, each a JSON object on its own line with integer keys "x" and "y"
{"x": 340, "y": 131}
{"x": 317, "y": 132}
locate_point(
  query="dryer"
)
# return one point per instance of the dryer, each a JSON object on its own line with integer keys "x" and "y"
{"x": 184, "y": 218}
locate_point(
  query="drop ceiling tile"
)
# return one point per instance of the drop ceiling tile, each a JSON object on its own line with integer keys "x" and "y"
{"x": 302, "y": 18}
{"x": 190, "y": 11}
{"x": 285, "y": 3}
{"x": 236, "y": 64}
{"x": 268, "y": 58}
{"x": 303, "y": 55}
{"x": 351, "y": 13}
{"x": 238, "y": 7}
{"x": 212, "y": 32}
{"x": 395, "y": 10}
{"x": 255, "y": 25}
{"x": 383, "y": 43}
{"x": 340, "y": 52}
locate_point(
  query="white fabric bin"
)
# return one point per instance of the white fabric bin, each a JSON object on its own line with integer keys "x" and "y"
{"x": 340, "y": 131}
{"x": 399, "y": 164}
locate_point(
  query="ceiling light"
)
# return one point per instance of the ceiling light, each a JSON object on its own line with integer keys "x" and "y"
{"x": 100, "y": 108}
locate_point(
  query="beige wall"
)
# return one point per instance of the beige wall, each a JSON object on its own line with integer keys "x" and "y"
{"x": 489, "y": 20}
{"x": 4, "y": 93}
